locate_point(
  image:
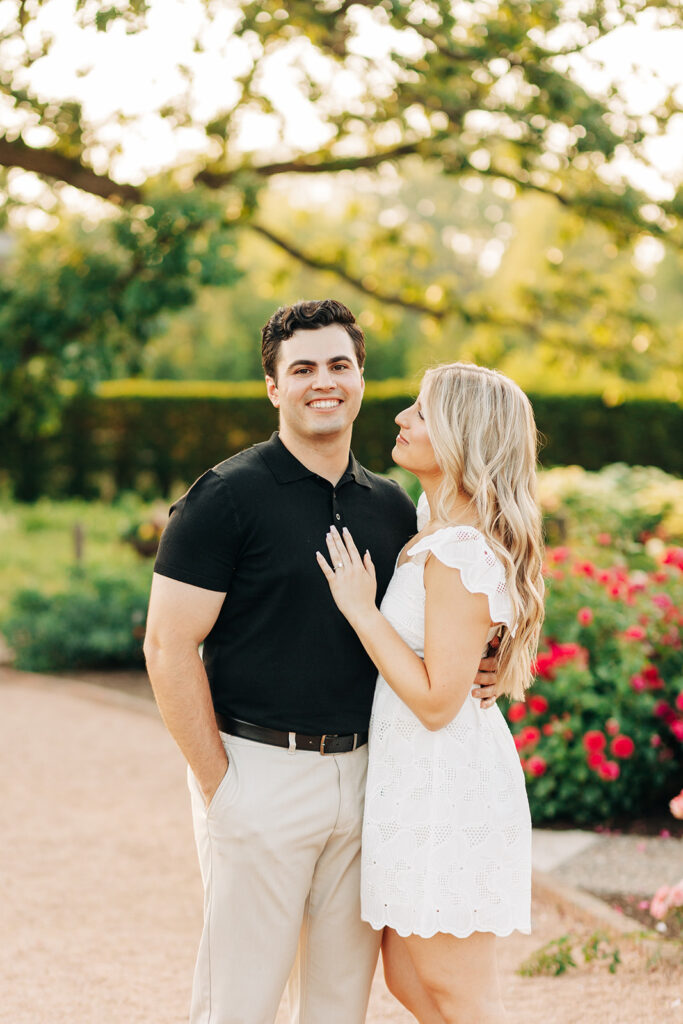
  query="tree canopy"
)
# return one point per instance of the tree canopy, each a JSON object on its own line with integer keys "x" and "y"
{"x": 357, "y": 92}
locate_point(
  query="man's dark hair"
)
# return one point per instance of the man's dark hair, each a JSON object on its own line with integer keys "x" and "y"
{"x": 307, "y": 316}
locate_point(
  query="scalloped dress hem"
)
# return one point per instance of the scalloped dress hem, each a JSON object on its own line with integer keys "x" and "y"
{"x": 424, "y": 934}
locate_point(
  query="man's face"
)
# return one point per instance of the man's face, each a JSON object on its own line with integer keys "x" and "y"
{"x": 319, "y": 384}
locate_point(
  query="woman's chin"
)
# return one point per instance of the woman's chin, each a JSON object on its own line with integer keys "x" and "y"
{"x": 396, "y": 456}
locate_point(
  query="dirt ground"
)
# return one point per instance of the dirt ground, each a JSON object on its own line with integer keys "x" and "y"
{"x": 100, "y": 898}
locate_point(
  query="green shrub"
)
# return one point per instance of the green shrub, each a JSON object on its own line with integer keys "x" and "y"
{"x": 616, "y": 511}
{"x": 99, "y": 621}
{"x": 601, "y": 733}
{"x": 153, "y": 436}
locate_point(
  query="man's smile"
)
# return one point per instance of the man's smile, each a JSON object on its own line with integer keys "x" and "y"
{"x": 324, "y": 403}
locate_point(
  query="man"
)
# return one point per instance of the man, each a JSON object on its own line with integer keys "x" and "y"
{"x": 273, "y": 721}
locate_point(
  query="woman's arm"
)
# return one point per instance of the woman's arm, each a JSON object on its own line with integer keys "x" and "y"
{"x": 456, "y": 626}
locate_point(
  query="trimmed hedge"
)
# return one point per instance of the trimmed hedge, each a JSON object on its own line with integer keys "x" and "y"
{"x": 154, "y": 436}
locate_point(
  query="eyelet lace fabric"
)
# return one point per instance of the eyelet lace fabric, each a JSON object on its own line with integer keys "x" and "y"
{"x": 447, "y": 830}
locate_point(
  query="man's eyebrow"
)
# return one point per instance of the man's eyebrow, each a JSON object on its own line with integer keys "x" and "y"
{"x": 313, "y": 362}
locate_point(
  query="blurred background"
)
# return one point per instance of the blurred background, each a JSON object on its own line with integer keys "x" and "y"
{"x": 489, "y": 181}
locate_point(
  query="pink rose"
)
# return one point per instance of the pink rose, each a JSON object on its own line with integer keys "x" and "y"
{"x": 634, "y": 633}
{"x": 676, "y": 806}
{"x": 585, "y": 616}
{"x": 659, "y": 905}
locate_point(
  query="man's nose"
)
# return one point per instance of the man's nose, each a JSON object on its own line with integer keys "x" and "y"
{"x": 323, "y": 379}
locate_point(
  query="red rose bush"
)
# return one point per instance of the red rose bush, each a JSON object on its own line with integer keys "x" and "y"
{"x": 600, "y": 735}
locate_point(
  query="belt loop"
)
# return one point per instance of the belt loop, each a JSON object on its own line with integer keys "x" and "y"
{"x": 355, "y": 741}
{"x": 292, "y": 742}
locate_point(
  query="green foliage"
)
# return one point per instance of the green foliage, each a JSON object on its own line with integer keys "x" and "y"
{"x": 598, "y": 947}
{"x": 553, "y": 959}
{"x": 476, "y": 111}
{"x": 152, "y": 436}
{"x": 620, "y": 510}
{"x": 38, "y": 542}
{"x": 557, "y": 956}
{"x": 99, "y": 621}
{"x": 77, "y": 305}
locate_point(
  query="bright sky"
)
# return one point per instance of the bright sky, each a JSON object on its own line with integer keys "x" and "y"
{"x": 118, "y": 74}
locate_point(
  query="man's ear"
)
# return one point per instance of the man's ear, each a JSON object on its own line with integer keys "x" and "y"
{"x": 273, "y": 393}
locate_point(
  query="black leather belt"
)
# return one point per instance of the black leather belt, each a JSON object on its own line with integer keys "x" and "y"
{"x": 328, "y": 743}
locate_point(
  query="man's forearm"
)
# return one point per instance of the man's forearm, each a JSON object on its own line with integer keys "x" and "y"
{"x": 182, "y": 693}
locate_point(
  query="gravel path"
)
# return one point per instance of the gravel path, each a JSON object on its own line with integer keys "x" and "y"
{"x": 100, "y": 898}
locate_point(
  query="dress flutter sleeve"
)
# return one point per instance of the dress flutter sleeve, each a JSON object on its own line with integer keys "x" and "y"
{"x": 481, "y": 571}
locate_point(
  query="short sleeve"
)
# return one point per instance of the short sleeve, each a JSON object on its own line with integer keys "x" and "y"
{"x": 423, "y": 512}
{"x": 481, "y": 571}
{"x": 200, "y": 542}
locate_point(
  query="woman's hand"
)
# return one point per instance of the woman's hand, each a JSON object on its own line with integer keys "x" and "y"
{"x": 352, "y": 579}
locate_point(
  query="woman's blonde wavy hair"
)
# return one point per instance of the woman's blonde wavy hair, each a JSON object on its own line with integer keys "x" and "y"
{"x": 482, "y": 429}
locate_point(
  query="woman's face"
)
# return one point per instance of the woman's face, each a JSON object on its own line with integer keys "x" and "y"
{"x": 413, "y": 449}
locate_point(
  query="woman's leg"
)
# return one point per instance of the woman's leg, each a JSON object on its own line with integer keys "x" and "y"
{"x": 403, "y": 981}
{"x": 460, "y": 976}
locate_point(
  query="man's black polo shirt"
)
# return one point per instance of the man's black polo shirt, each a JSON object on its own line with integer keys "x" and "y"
{"x": 280, "y": 653}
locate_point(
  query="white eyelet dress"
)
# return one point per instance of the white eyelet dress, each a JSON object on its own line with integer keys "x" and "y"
{"x": 447, "y": 830}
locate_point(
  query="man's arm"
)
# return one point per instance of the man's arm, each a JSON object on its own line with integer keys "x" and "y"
{"x": 178, "y": 620}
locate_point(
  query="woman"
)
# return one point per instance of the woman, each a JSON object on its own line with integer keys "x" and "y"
{"x": 447, "y": 832}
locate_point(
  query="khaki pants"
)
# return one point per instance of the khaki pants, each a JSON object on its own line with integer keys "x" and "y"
{"x": 279, "y": 852}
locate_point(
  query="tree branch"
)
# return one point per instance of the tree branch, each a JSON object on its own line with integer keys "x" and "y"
{"x": 470, "y": 316}
{"x": 216, "y": 179}
{"x": 52, "y": 164}
{"x": 340, "y": 271}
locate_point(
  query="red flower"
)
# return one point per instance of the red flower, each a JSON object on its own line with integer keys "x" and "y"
{"x": 677, "y": 729}
{"x": 558, "y": 555}
{"x": 679, "y": 701}
{"x": 594, "y": 740}
{"x": 548, "y": 729}
{"x": 538, "y": 704}
{"x": 516, "y": 712}
{"x": 634, "y": 633}
{"x": 653, "y": 678}
{"x": 638, "y": 683}
{"x": 536, "y": 765}
{"x": 596, "y": 759}
{"x": 585, "y": 616}
{"x": 603, "y": 576}
{"x": 531, "y": 734}
{"x": 662, "y": 601}
{"x": 622, "y": 746}
{"x": 662, "y": 710}
{"x": 674, "y": 556}
{"x": 605, "y": 539}
{"x": 655, "y": 740}
{"x": 520, "y": 742}
{"x": 609, "y": 771}
{"x": 612, "y": 726}
{"x": 584, "y": 569}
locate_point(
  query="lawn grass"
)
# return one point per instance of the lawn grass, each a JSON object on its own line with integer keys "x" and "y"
{"x": 37, "y": 542}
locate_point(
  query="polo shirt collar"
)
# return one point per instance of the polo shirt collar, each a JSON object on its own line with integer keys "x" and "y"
{"x": 286, "y": 468}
